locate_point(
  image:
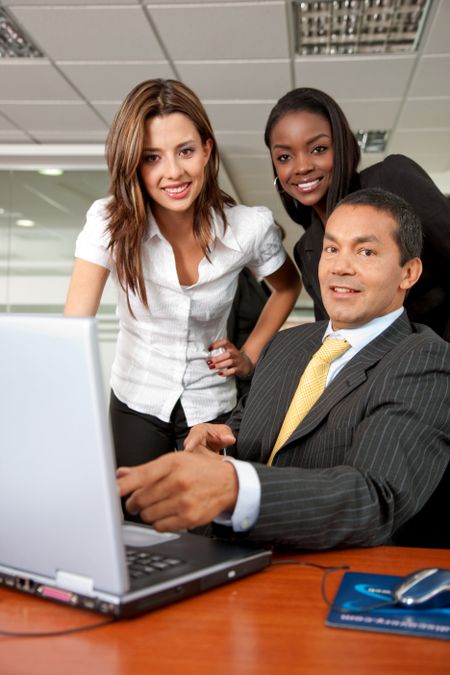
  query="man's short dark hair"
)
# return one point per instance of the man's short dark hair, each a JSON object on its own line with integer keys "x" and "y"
{"x": 408, "y": 234}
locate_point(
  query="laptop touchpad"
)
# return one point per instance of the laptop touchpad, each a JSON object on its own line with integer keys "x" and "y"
{"x": 143, "y": 535}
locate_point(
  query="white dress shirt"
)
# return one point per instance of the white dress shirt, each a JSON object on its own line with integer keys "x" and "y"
{"x": 161, "y": 354}
{"x": 246, "y": 511}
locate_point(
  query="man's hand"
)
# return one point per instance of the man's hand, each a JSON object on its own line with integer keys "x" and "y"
{"x": 179, "y": 490}
{"x": 212, "y": 437}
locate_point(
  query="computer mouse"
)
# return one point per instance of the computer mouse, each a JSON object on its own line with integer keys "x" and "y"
{"x": 426, "y": 587}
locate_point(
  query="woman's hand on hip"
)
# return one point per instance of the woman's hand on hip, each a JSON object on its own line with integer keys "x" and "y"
{"x": 231, "y": 361}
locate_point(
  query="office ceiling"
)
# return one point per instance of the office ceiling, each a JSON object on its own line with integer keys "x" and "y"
{"x": 237, "y": 56}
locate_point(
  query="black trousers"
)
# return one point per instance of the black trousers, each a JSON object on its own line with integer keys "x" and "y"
{"x": 139, "y": 438}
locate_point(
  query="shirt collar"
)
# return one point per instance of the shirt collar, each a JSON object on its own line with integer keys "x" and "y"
{"x": 361, "y": 336}
{"x": 153, "y": 227}
{"x": 227, "y": 238}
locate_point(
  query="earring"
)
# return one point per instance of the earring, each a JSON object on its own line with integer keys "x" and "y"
{"x": 276, "y": 182}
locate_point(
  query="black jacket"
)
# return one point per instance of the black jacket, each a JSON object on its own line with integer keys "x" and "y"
{"x": 428, "y": 302}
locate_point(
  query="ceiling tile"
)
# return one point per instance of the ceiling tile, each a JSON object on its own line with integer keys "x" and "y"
{"x": 242, "y": 116}
{"x": 356, "y": 77}
{"x": 107, "y": 110}
{"x": 6, "y": 125}
{"x": 242, "y": 80}
{"x": 53, "y": 117}
{"x": 13, "y": 135}
{"x": 371, "y": 114}
{"x": 12, "y": 3}
{"x": 430, "y": 161}
{"x": 437, "y": 166}
{"x": 419, "y": 141}
{"x": 432, "y": 77}
{"x": 31, "y": 80}
{"x": 91, "y": 33}
{"x": 425, "y": 113}
{"x": 209, "y": 2}
{"x": 240, "y": 30}
{"x": 112, "y": 81}
{"x": 437, "y": 40}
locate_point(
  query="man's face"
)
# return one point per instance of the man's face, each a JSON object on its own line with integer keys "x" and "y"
{"x": 359, "y": 271}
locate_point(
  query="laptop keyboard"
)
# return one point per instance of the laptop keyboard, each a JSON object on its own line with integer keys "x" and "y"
{"x": 144, "y": 563}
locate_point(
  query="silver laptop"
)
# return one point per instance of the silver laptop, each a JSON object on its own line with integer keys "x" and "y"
{"x": 61, "y": 531}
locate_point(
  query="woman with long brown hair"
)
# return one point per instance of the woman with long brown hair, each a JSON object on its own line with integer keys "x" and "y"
{"x": 174, "y": 244}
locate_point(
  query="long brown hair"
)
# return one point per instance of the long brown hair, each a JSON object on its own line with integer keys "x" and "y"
{"x": 346, "y": 149}
{"x": 128, "y": 207}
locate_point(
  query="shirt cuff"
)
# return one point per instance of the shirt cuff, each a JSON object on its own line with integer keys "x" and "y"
{"x": 246, "y": 511}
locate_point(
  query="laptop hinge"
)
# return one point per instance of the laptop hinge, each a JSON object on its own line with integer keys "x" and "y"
{"x": 74, "y": 582}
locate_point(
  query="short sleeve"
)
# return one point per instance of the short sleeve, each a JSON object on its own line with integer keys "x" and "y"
{"x": 92, "y": 242}
{"x": 268, "y": 252}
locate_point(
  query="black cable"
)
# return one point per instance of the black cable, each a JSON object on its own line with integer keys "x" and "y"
{"x": 55, "y": 633}
{"x": 305, "y": 563}
{"x": 328, "y": 569}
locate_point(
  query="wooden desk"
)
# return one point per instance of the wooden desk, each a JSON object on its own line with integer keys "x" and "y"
{"x": 270, "y": 623}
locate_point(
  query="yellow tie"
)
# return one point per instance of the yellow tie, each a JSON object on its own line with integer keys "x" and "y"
{"x": 309, "y": 389}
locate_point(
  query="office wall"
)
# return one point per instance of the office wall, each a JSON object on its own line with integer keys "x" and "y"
{"x": 36, "y": 261}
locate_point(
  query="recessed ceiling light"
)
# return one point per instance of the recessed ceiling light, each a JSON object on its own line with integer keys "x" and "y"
{"x": 372, "y": 140}
{"x": 358, "y": 26}
{"x": 13, "y": 42}
{"x": 24, "y": 222}
{"x": 51, "y": 172}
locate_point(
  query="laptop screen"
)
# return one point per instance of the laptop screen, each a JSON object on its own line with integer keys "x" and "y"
{"x": 60, "y": 510}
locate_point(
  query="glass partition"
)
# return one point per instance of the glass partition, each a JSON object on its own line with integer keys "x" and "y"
{"x": 40, "y": 218}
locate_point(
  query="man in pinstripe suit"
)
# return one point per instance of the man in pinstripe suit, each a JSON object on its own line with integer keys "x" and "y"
{"x": 369, "y": 463}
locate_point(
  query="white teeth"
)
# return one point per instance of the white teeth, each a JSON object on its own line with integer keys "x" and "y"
{"x": 309, "y": 185}
{"x": 338, "y": 289}
{"x": 176, "y": 190}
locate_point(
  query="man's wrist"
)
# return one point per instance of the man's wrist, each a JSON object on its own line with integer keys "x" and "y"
{"x": 231, "y": 490}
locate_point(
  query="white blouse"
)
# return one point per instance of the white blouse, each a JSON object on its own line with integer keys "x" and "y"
{"x": 162, "y": 352}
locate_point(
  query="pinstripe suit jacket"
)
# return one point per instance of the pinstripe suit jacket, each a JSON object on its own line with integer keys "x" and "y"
{"x": 368, "y": 455}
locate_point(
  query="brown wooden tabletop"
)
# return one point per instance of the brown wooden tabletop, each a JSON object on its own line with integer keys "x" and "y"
{"x": 270, "y": 622}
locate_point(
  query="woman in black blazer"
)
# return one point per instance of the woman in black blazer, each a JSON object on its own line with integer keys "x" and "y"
{"x": 315, "y": 157}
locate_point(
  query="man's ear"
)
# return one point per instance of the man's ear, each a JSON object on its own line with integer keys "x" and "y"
{"x": 411, "y": 272}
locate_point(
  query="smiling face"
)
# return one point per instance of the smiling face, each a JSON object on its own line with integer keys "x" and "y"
{"x": 359, "y": 271}
{"x": 301, "y": 147}
{"x": 173, "y": 163}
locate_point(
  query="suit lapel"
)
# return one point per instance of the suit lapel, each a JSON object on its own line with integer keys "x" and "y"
{"x": 281, "y": 386}
{"x": 350, "y": 377}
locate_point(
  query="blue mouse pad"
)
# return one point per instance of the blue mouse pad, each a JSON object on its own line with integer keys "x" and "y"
{"x": 358, "y": 605}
